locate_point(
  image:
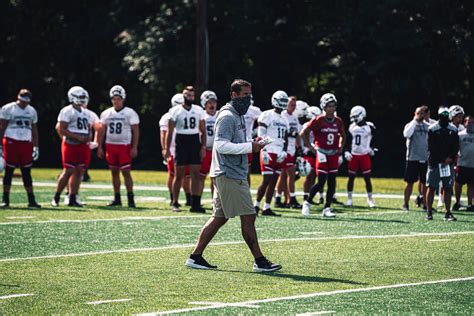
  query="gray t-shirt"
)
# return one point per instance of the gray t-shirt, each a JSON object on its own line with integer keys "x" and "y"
{"x": 417, "y": 140}
{"x": 466, "y": 149}
{"x": 230, "y": 126}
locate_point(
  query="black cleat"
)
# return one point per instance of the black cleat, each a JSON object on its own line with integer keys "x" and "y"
{"x": 197, "y": 210}
{"x": 456, "y": 206}
{"x": 264, "y": 265}
{"x": 269, "y": 212}
{"x": 74, "y": 204}
{"x": 449, "y": 217}
{"x": 175, "y": 207}
{"x": 278, "y": 204}
{"x": 33, "y": 204}
{"x": 131, "y": 204}
{"x": 199, "y": 263}
{"x": 429, "y": 216}
{"x": 335, "y": 201}
{"x": 419, "y": 201}
{"x": 470, "y": 208}
{"x": 114, "y": 203}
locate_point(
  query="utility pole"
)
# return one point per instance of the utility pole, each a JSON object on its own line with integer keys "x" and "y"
{"x": 202, "y": 47}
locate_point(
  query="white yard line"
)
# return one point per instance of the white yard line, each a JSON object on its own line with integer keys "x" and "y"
{"x": 310, "y": 295}
{"x": 180, "y": 246}
{"x": 14, "y": 296}
{"x": 316, "y": 313}
{"x": 438, "y": 240}
{"x": 165, "y": 189}
{"x": 129, "y": 218}
{"x": 109, "y": 301}
{"x": 19, "y": 217}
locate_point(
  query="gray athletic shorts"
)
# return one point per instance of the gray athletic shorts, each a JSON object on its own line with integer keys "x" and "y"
{"x": 433, "y": 178}
{"x": 231, "y": 198}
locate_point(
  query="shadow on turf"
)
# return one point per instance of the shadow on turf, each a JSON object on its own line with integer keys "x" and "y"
{"x": 297, "y": 277}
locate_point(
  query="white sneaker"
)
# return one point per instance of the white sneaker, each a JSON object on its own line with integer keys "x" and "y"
{"x": 66, "y": 199}
{"x": 349, "y": 202}
{"x": 78, "y": 200}
{"x": 53, "y": 203}
{"x": 327, "y": 212}
{"x": 371, "y": 203}
{"x": 305, "y": 210}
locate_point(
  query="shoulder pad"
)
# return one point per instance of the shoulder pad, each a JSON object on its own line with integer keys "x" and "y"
{"x": 371, "y": 124}
{"x": 452, "y": 127}
{"x": 434, "y": 127}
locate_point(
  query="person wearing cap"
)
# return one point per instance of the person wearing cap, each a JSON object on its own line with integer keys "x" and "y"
{"x": 19, "y": 132}
{"x": 120, "y": 123}
{"x": 443, "y": 146}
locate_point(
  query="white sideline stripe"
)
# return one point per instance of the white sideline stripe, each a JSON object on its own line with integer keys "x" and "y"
{"x": 316, "y": 313}
{"x": 19, "y": 217}
{"x": 180, "y": 246}
{"x": 14, "y": 295}
{"x": 129, "y": 218}
{"x": 225, "y": 304}
{"x": 109, "y": 301}
{"x": 311, "y": 233}
{"x": 310, "y": 295}
{"x": 438, "y": 240}
{"x": 165, "y": 189}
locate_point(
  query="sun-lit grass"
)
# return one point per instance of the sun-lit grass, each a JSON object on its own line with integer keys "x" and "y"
{"x": 148, "y": 247}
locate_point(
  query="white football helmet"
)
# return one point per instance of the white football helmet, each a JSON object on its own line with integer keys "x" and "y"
{"x": 177, "y": 99}
{"x": 280, "y": 100}
{"x": 312, "y": 112}
{"x": 325, "y": 99}
{"x": 117, "y": 91}
{"x": 78, "y": 95}
{"x": 455, "y": 110}
{"x": 303, "y": 167}
{"x": 301, "y": 109}
{"x": 206, "y": 96}
{"x": 358, "y": 113}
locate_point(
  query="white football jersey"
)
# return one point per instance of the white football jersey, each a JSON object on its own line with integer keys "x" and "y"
{"x": 94, "y": 118}
{"x": 164, "y": 128}
{"x": 119, "y": 125}
{"x": 250, "y": 117}
{"x": 295, "y": 126}
{"x": 19, "y": 121}
{"x": 277, "y": 127}
{"x": 361, "y": 138}
{"x": 187, "y": 121}
{"x": 210, "y": 122}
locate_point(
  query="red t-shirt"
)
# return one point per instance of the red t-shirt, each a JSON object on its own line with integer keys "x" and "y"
{"x": 326, "y": 134}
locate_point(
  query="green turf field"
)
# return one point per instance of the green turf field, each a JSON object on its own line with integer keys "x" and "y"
{"x": 95, "y": 260}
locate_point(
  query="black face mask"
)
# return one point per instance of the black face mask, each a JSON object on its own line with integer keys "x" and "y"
{"x": 241, "y": 105}
{"x": 188, "y": 102}
{"x": 443, "y": 121}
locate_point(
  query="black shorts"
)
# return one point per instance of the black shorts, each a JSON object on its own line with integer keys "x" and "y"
{"x": 188, "y": 149}
{"x": 415, "y": 171}
{"x": 465, "y": 175}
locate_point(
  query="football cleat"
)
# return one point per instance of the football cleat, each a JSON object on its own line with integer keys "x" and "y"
{"x": 175, "y": 207}
{"x": 449, "y": 217}
{"x": 265, "y": 265}
{"x": 269, "y": 212}
{"x": 371, "y": 203}
{"x": 349, "y": 202}
{"x": 199, "y": 263}
{"x": 327, "y": 212}
{"x": 306, "y": 209}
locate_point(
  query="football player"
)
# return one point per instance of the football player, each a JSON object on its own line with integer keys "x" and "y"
{"x": 19, "y": 132}
{"x": 456, "y": 115}
{"x": 121, "y": 131}
{"x": 188, "y": 121}
{"x": 209, "y": 104}
{"x": 286, "y": 181}
{"x": 250, "y": 118}
{"x": 359, "y": 157}
{"x": 74, "y": 128}
{"x": 329, "y": 136}
{"x": 273, "y": 125}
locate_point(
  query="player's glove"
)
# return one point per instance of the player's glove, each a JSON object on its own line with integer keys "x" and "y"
{"x": 281, "y": 156}
{"x": 348, "y": 156}
{"x": 93, "y": 145}
{"x": 36, "y": 153}
{"x": 372, "y": 151}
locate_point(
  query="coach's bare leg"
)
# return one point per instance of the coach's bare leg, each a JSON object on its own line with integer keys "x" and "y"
{"x": 429, "y": 199}
{"x": 178, "y": 179}
{"x": 115, "y": 179}
{"x": 247, "y": 223}
{"x": 207, "y": 233}
{"x": 448, "y": 192}
{"x": 407, "y": 193}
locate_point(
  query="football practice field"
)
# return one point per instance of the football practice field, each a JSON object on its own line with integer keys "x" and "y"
{"x": 98, "y": 260}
